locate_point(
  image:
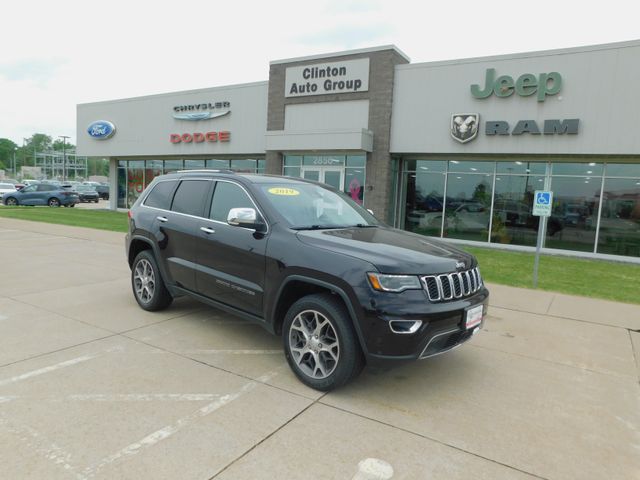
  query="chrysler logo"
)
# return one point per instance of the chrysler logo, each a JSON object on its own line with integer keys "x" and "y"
{"x": 199, "y": 115}
{"x": 464, "y": 126}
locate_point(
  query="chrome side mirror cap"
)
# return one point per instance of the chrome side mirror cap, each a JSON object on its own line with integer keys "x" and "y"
{"x": 245, "y": 218}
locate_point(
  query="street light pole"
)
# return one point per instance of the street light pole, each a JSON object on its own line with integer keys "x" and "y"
{"x": 14, "y": 161}
{"x": 64, "y": 157}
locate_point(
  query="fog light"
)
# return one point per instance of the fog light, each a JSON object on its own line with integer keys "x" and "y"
{"x": 404, "y": 326}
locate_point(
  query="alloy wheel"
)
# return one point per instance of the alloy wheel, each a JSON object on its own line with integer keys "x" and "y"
{"x": 144, "y": 281}
{"x": 314, "y": 344}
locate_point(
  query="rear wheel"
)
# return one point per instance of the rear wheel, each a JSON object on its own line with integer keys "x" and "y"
{"x": 320, "y": 343}
{"x": 53, "y": 202}
{"x": 11, "y": 202}
{"x": 148, "y": 287}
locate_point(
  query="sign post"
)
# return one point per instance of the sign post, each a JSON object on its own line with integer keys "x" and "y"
{"x": 542, "y": 202}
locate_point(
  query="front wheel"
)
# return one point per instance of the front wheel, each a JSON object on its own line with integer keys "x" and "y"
{"x": 147, "y": 284}
{"x": 53, "y": 202}
{"x": 320, "y": 343}
{"x": 11, "y": 202}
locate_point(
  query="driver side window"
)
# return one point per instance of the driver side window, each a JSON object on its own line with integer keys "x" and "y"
{"x": 225, "y": 197}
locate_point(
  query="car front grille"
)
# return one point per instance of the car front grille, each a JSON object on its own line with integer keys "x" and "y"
{"x": 452, "y": 286}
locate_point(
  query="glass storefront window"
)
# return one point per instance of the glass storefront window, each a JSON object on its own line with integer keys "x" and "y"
{"x": 135, "y": 180}
{"x": 122, "y": 187}
{"x": 425, "y": 166}
{"x": 424, "y": 203}
{"x": 193, "y": 164}
{"x": 513, "y": 222}
{"x": 292, "y": 172}
{"x": 471, "y": 167}
{"x": 522, "y": 168}
{"x": 623, "y": 170}
{"x": 354, "y": 184}
{"x": 246, "y": 166}
{"x": 173, "y": 166}
{"x": 574, "y": 215}
{"x": 322, "y": 160}
{"x": 292, "y": 160}
{"x": 217, "y": 164}
{"x": 356, "y": 160}
{"x": 620, "y": 222}
{"x": 575, "y": 169}
{"x": 153, "y": 168}
{"x": 262, "y": 164}
{"x": 468, "y": 206}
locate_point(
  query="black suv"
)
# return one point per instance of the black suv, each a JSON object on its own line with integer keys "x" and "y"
{"x": 306, "y": 262}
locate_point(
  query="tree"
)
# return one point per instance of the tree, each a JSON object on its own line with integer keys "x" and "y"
{"x": 58, "y": 144}
{"x": 7, "y": 150}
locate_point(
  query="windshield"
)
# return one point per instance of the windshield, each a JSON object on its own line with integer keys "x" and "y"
{"x": 309, "y": 206}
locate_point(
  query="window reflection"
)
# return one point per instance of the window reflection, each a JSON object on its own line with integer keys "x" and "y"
{"x": 513, "y": 222}
{"x": 620, "y": 222}
{"x": 468, "y": 206}
{"x": 425, "y": 197}
{"x": 575, "y": 205}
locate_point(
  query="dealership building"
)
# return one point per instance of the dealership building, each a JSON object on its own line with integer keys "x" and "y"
{"x": 453, "y": 149}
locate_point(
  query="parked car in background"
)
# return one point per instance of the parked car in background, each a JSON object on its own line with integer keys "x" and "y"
{"x": 103, "y": 191}
{"x": 86, "y": 193}
{"x": 7, "y": 188}
{"x": 30, "y": 182}
{"x": 41, "y": 194}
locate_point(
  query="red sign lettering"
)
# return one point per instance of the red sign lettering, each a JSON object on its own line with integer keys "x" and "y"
{"x": 211, "y": 137}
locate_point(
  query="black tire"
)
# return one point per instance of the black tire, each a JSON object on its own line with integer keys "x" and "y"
{"x": 96, "y": 200}
{"x": 53, "y": 202}
{"x": 332, "y": 372}
{"x": 144, "y": 273}
{"x": 72, "y": 205}
{"x": 11, "y": 201}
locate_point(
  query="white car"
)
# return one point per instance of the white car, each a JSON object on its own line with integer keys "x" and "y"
{"x": 6, "y": 188}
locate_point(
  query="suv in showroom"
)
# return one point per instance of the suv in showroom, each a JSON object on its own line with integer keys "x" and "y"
{"x": 305, "y": 262}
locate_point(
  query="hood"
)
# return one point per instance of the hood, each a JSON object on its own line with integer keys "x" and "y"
{"x": 391, "y": 250}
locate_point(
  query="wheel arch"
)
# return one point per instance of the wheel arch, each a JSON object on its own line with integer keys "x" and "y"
{"x": 295, "y": 287}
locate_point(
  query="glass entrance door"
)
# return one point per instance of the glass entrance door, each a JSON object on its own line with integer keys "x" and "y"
{"x": 333, "y": 176}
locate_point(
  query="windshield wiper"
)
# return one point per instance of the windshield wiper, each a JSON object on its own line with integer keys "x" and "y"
{"x": 362, "y": 225}
{"x": 327, "y": 227}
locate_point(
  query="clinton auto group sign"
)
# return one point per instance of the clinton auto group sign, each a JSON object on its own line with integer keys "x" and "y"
{"x": 327, "y": 78}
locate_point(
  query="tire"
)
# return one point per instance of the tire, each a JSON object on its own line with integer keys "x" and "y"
{"x": 320, "y": 343}
{"x": 72, "y": 205}
{"x": 53, "y": 202}
{"x": 11, "y": 201}
{"x": 96, "y": 200}
{"x": 147, "y": 284}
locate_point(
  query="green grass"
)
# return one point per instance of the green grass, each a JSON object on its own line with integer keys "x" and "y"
{"x": 76, "y": 217}
{"x": 590, "y": 278}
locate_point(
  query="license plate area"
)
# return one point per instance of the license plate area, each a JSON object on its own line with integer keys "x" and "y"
{"x": 473, "y": 317}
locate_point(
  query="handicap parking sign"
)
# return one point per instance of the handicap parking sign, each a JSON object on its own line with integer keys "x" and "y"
{"x": 542, "y": 202}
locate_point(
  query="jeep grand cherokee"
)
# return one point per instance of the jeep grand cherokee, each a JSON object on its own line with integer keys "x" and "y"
{"x": 306, "y": 262}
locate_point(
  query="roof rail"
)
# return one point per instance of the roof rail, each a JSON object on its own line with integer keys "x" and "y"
{"x": 207, "y": 170}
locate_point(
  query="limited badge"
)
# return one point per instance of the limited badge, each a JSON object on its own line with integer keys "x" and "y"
{"x": 283, "y": 191}
{"x": 464, "y": 126}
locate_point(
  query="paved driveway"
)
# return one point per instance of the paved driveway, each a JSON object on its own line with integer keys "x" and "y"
{"x": 91, "y": 386}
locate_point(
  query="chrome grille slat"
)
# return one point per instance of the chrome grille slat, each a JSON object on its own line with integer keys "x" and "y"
{"x": 449, "y": 286}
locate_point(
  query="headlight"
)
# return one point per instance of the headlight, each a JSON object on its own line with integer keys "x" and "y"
{"x": 393, "y": 283}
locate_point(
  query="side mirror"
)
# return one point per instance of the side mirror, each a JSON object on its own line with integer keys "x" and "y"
{"x": 246, "y": 218}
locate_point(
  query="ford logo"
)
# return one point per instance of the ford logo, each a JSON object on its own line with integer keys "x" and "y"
{"x": 101, "y": 130}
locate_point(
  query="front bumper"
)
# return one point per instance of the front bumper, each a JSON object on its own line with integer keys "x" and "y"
{"x": 442, "y": 326}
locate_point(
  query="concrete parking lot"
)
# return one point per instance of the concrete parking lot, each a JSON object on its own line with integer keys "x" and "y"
{"x": 91, "y": 386}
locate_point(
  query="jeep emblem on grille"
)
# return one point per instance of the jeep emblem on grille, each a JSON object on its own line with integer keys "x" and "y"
{"x": 459, "y": 265}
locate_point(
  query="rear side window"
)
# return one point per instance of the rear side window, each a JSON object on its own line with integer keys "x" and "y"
{"x": 227, "y": 196}
{"x": 45, "y": 188}
{"x": 190, "y": 197}
{"x": 161, "y": 195}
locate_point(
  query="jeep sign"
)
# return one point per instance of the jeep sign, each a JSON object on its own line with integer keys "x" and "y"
{"x": 527, "y": 84}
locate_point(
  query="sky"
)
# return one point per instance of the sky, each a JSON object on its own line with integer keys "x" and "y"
{"x": 55, "y": 55}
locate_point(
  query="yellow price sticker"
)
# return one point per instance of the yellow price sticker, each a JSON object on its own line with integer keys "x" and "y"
{"x": 283, "y": 191}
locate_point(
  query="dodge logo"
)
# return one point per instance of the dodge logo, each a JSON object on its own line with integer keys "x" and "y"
{"x": 464, "y": 126}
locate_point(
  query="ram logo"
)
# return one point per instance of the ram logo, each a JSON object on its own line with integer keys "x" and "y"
{"x": 464, "y": 126}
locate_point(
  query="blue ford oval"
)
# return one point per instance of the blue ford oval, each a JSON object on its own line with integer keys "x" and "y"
{"x": 101, "y": 130}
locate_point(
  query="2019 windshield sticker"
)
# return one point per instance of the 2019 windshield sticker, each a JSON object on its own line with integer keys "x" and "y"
{"x": 283, "y": 191}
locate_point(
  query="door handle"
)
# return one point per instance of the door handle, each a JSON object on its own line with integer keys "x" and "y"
{"x": 163, "y": 219}
{"x": 207, "y": 230}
